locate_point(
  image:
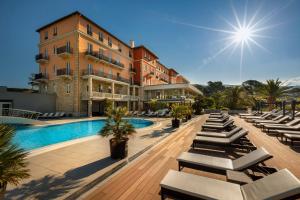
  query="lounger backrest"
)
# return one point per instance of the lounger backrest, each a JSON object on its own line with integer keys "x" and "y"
{"x": 267, "y": 115}
{"x": 233, "y": 131}
{"x": 57, "y": 114}
{"x": 50, "y": 115}
{"x": 253, "y": 158}
{"x": 279, "y": 185}
{"x": 228, "y": 122}
{"x": 293, "y": 122}
{"x": 264, "y": 114}
{"x": 278, "y": 117}
{"x": 282, "y": 119}
{"x": 238, "y": 135}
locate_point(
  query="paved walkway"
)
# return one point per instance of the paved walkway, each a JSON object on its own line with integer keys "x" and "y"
{"x": 59, "y": 172}
{"x": 140, "y": 180}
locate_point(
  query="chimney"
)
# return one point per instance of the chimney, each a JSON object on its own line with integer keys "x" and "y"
{"x": 131, "y": 43}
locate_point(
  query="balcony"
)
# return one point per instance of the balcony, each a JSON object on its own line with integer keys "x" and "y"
{"x": 105, "y": 75}
{"x": 38, "y": 78}
{"x": 64, "y": 51}
{"x": 104, "y": 95}
{"x": 41, "y": 58}
{"x": 92, "y": 55}
{"x": 64, "y": 73}
{"x": 151, "y": 74}
{"x": 110, "y": 61}
{"x": 132, "y": 70}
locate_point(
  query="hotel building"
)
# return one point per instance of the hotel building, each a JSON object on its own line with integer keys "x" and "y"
{"x": 84, "y": 64}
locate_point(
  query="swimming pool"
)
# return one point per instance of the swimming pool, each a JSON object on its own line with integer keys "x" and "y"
{"x": 30, "y": 137}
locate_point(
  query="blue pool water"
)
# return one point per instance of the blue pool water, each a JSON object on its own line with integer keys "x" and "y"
{"x": 29, "y": 137}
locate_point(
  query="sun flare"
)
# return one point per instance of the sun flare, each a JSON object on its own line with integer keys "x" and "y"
{"x": 242, "y": 35}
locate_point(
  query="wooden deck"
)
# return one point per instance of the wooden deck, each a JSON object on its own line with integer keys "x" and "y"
{"x": 140, "y": 180}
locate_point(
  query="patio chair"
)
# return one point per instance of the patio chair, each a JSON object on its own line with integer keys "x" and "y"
{"x": 279, "y": 185}
{"x": 220, "y": 165}
{"x": 218, "y": 126}
{"x": 216, "y": 141}
{"x": 220, "y": 134}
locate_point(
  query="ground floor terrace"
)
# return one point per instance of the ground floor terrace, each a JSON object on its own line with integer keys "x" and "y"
{"x": 141, "y": 179}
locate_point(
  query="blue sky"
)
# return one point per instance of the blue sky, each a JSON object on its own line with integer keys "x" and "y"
{"x": 170, "y": 28}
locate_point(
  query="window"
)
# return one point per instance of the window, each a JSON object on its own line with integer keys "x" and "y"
{"x": 46, "y": 35}
{"x": 118, "y": 59}
{"x": 54, "y": 87}
{"x": 89, "y": 29}
{"x": 68, "y": 46}
{"x": 68, "y": 88}
{"x": 55, "y": 31}
{"x": 119, "y": 48}
{"x": 101, "y": 51}
{"x": 101, "y": 36}
{"x": 90, "y": 48}
{"x": 54, "y": 70}
{"x": 130, "y": 54}
{"x": 109, "y": 42}
{"x": 54, "y": 50}
{"x": 68, "y": 68}
{"x": 46, "y": 53}
{"x": 90, "y": 69}
{"x": 145, "y": 69}
{"x": 109, "y": 56}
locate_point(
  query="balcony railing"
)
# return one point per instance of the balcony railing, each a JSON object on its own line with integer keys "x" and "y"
{"x": 41, "y": 58}
{"x": 110, "y": 60}
{"x": 64, "y": 50}
{"x": 63, "y": 72}
{"x": 105, "y": 75}
{"x": 92, "y": 54}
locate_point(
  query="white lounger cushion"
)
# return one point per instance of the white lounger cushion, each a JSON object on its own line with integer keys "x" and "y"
{"x": 241, "y": 163}
{"x": 200, "y": 187}
{"x": 207, "y": 161}
{"x": 237, "y": 135}
{"x": 219, "y": 134}
{"x": 279, "y": 185}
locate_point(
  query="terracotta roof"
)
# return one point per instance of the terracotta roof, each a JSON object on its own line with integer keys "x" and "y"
{"x": 142, "y": 46}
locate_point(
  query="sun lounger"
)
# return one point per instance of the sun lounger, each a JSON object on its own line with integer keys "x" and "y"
{"x": 135, "y": 113}
{"x": 241, "y": 115}
{"x": 50, "y": 115}
{"x": 277, "y": 120}
{"x": 198, "y": 140}
{"x": 180, "y": 185}
{"x": 263, "y": 117}
{"x": 220, "y": 134}
{"x": 44, "y": 116}
{"x": 292, "y": 137}
{"x": 149, "y": 114}
{"x": 141, "y": 114}
{"x": 218, "y": 126}
{"x": 162, "y": 114}
{"x": 220, "y": 165}
{"x": 288, "y": 126}
{"x": 221, "y": 120}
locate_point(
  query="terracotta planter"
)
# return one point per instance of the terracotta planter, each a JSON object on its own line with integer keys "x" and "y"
{"x": 118, "y": 149}
{"x": 175, "y": 123}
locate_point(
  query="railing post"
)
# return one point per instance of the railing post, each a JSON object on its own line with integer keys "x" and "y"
{"x": 283, "y": 107}
{"x": 293, "y": 105}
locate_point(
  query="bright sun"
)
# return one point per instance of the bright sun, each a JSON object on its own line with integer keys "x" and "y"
{"x": 242, "y": 35}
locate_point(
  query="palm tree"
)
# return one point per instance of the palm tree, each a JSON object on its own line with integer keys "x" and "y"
{"x": 236, "y": 97}
{"x": 120, "y": 129}
{"x": 272, "y": 91}
{"x": 12, "y": 160}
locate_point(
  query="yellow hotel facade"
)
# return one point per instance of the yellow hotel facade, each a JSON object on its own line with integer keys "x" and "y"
{"x": 84, "y": 64}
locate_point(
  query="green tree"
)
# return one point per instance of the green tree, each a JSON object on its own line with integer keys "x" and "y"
{"x": 215, "y": 87}
{"x": 236, "y": 98}
{"x": 12, "y": 160}
{"x": 252, "y": 86}
{"x": 273, "y": 90}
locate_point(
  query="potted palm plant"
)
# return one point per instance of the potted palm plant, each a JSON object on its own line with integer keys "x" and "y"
{"x": 120, "y": 129}
{"x": 176, "y": 113}
{"x": 188, "y": 112}
{"x": 12, "y": 160}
